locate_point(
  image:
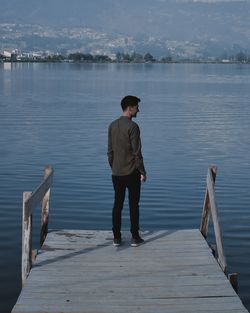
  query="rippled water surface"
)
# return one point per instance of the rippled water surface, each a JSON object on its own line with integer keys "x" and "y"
{"x": 190, "y": 116}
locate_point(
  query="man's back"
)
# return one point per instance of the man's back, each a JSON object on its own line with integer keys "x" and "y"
{"x": 124, "y": 147}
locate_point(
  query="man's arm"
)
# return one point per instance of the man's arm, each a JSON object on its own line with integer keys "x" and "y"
{"x": 110, "y": 149}
{"x": 136, "y": 148}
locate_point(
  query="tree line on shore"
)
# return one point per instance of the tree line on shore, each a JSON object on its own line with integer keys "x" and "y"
{"x": 84, "y": 57}
{"x": 120, "y": 57}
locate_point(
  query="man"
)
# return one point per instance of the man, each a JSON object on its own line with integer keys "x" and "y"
{"x": 126, "y": 161}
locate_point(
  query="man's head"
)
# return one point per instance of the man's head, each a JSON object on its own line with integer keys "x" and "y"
{"x": 131, "y": 101}
{"x": 130, "y": 105}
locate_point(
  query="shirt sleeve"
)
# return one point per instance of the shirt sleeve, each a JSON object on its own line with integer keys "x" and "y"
{"x": 110, "y": 148}
{"x": 136, "y": 148}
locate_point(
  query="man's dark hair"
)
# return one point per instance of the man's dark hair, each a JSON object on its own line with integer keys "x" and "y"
{"x": 129, "y": 101}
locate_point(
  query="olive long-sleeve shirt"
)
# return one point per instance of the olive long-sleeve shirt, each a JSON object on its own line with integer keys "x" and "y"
{"x": 124, "y": 147}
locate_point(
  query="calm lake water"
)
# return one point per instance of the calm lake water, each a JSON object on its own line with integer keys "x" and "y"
{"x": 191, "y": 116}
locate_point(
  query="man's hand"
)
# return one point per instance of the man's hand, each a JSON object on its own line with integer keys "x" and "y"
{"x": 143, "y": 178}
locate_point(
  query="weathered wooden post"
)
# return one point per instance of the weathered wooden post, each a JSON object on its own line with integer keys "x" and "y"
{"x": 45, "y": 209}
{"x": 210, "y": 207}
{"x": 26, "y": 238}
{"x": 206, "y": 206}
{"x": 233, "y": 278}
{"x": 30, "y": 202}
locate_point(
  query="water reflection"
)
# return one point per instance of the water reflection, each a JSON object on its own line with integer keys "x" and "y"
{"x": 191, "y": 116}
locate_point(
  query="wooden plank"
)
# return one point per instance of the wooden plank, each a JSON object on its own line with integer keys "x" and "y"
{"x": 140, "y": 305}
{"x": 94, "y": 277}
{"x": 146, "y": 305}
{"x": 110, "y": 279}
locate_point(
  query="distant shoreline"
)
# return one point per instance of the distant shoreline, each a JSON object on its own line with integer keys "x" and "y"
{"x": 119, "y": 58}
{"x": 114, "y": 62}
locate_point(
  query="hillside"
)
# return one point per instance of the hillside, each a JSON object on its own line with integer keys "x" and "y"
{"x": 160, "y": 25}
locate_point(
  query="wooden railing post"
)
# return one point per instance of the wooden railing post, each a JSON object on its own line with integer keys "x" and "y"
{"x": 210, "y": 207}
{"x": 206, "y": 206}
{"x": 45, "y": 209}
{"x": 30, "y": 202}
{"x": 26, "y": 239}
{"x": 233, "y": 278}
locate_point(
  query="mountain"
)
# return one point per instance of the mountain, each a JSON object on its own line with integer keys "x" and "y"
{"x": 161, "y": 25}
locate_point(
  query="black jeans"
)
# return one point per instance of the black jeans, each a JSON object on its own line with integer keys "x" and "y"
{"x": 133, "y": 183}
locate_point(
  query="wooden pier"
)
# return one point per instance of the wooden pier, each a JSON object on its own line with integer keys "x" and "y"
{"x": 80, "y": 271}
